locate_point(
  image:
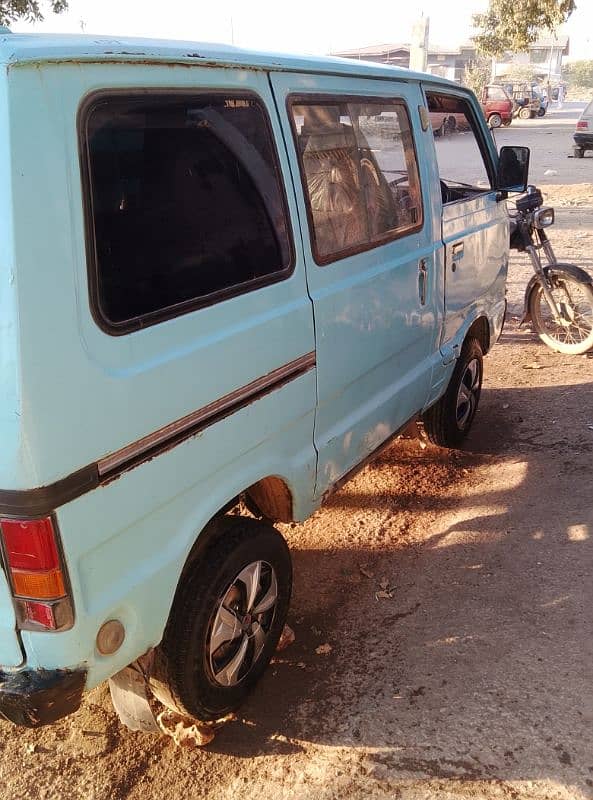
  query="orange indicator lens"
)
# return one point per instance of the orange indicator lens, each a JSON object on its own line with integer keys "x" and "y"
{"x": 42, "y": 585}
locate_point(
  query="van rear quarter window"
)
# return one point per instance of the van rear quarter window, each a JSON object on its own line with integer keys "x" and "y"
{"x": 184, "y": 204}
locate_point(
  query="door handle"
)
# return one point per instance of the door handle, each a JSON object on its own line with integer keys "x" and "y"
{"x": 457, "y": 255}
{"x": 422, "y": 278}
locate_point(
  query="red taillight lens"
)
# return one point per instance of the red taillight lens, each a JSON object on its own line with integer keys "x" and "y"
{"x": 36, "y": 573}
{"x": 41, "y": 613}
{"x": 582, "y": 123}
{"x": 54, "y": 616}
{"x": 30, "y": 545}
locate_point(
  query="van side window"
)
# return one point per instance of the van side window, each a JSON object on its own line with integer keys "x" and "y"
{"x": 359, "y": 172}
{"x": 186, "y": 206}
{"x": 462, "y": 166}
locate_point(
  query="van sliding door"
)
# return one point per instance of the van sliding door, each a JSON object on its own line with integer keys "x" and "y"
{"x": 356, "y": 149}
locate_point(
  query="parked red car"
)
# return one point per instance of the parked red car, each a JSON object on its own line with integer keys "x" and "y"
{"x": 496, "y": 105}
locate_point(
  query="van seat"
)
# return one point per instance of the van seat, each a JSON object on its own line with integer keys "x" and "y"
{"x": 330, "y": 160}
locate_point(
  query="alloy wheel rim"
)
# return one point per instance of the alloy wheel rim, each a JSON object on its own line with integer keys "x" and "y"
{"x": 241, "y": 623}
{"x": 467, "y": 395}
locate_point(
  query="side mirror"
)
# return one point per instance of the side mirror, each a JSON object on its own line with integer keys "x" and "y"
{"x": 513, "y": 169}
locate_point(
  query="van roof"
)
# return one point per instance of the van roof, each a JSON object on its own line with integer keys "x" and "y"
{"x": 21, "y": 48}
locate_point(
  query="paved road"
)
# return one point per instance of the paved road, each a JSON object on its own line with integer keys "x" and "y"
{"x": 550, "y": 140}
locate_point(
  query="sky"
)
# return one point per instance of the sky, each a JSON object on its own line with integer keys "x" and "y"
{"x": 306, "y": 26}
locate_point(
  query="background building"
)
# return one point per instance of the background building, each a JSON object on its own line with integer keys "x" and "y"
{"x": 544, "y": 56}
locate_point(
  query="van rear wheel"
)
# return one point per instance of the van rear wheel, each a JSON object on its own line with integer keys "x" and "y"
{"x": 227, "y": 617}
{"x": 449, "y": 420}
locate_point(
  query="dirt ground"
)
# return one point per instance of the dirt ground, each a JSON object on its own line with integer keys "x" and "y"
{"x": 473, "y": 680}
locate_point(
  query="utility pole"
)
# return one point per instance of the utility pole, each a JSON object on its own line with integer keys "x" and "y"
{"x": 419, "y": 46}
{"x": 550, "y": 61}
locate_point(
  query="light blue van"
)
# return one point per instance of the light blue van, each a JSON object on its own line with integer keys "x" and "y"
{"x": 227, "y": 279}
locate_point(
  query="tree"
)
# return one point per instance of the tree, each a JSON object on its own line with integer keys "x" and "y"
{"x": 477, "y": 74}
{"x": 515, "y": 24}
{"x": 30, "y": 10}
{"x": 579, "y": 73}
{"x": 520, "y": 73}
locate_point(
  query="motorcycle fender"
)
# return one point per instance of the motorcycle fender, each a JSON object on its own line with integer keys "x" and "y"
{"x": 579, "y": 274}
{"x": 528, "y": 289}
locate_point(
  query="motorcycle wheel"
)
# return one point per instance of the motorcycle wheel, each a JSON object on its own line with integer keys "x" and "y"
{"x": 574, "y": 335}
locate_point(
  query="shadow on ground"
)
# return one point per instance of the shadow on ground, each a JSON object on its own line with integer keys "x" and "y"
{"x": 479, "y": 666}
{"x": 472, "y": 671}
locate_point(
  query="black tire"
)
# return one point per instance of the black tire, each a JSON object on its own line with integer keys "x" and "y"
{"x": 579, "y": 152}
{"x": 495, "y": 120}
{"x": 187, "y": 660}
{"x": 525, "y": 113}
{"x": 541, "y": 112}
{"x": 448, "y": 421}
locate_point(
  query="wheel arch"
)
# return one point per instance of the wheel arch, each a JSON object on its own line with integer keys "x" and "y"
{"x": 480, "y": 330}
{"x": 270, "y": 497}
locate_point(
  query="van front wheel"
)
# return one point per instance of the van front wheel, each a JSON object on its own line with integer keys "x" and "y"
{"x": 227, "y": 617}
{"x": 448, "y": 421}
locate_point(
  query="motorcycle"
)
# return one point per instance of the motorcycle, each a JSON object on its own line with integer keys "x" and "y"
{"x": 559, "y": 296}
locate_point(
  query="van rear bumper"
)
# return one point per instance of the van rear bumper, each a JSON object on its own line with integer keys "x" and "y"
{"x": 36, "y": 697}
